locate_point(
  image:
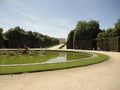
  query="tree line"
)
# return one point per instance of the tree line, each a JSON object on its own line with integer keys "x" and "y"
{"x": 84, "y": 35}
{"x": 88, "y": 35}
{"x": 18, "y": 37}
{"x": 109, "y": 40}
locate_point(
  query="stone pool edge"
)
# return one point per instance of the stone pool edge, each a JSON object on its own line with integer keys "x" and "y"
{"x": 33, "y": 64}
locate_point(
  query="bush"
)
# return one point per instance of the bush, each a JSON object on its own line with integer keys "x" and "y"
{"x": 109, "y": 44}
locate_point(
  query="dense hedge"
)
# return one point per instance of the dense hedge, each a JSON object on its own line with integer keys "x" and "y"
{"x": 18, "y": 37}
{"x": 109, "y": 40}
{"x": 109, "y": 44}
{"x": 84, "y": 35}
{"x": 85, "y": 44}
{"x": 70, "y": 40}
{"x": 1, "y": 37}
{"x": 87, "y": 35}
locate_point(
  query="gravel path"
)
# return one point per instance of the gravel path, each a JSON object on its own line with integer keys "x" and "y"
{"x": 56, "y": 47}
{"x": 102, "y": 76}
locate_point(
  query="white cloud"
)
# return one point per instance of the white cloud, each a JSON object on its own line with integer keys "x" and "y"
{"x": 53, "y": 26}
{"x": 29, "y": 15}
{"x": 19, "y": 5}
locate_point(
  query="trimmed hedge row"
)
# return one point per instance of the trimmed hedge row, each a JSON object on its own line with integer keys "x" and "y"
{"x": 69, "y": 44}
{"x": 85, "y": 44}
{"x": 18, "y": 38}
{"x": 109, "y": 44}
{"x": 70, "y": 40}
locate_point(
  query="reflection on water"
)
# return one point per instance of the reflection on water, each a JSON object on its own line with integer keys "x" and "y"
{"x": 60, "y": 58}
{"x": 66, "y": 56}
{"x": 48, "y": 57}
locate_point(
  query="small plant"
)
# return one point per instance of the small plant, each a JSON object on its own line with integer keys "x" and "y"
{"x": 31, "y": 52}
{"x": 42, "y": 51}
{"x": 4, "y": 52}
{"x": 24, "y": 50}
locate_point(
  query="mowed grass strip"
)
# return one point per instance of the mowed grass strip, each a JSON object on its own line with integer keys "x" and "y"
{"x": 47, "y": 67}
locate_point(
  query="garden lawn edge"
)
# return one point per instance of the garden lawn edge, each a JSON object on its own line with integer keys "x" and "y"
{"x": 54, "y": 66}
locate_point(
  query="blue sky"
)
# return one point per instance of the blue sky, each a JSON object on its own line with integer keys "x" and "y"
{"x": 57, "y": 17}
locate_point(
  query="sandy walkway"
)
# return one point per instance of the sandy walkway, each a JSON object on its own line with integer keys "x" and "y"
{"x": 102, "y": 76}
{"x": 56, "y": 47}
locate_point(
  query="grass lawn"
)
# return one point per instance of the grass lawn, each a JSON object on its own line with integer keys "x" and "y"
{"x": 26, "y": 58}
{"x": 38, "y": 58}
{"x": 46, "y": 67}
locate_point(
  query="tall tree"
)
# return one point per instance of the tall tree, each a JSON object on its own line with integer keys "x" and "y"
{"x": 80, "y": 30}
{"x": 92, "y": 29}
{"x": 18, "y": 37}
{"x": 85, "y": 34}
{"x": 1, "y": 37}
{"x": 117, "y": 28}
{"x": 70, "y": 40}
{"x": 110, "y": 38}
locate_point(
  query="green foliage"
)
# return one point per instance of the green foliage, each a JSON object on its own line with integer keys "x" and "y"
{"x": 86, "y": 30}
{"x": 84, "y": 35}
{"x": 92, "y": 29}
{"x": 83, "y": 44}
{"x": 117, "y": 28}
{"x": 18, "y": 37}
{"x": 80, "y": 30}
{"x": 87, "y": 35}
{"x": 109, "y": 43}
{"x": 109, "y": 40}
{"x": 70, "y": 40}
{"x": 26, "y": 58}
{"x": 1, "y": 37}
{"x": 46, "y": 67}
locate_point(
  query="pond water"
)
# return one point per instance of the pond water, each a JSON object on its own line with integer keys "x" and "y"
{"x": 57, "y": 59}
{"x": 37, "y": 57}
